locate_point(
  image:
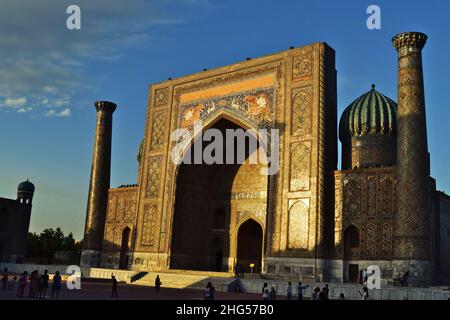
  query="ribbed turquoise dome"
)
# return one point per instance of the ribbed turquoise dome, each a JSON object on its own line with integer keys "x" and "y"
{"x": 371, "y": 113}
{"x": 26, "y": 186}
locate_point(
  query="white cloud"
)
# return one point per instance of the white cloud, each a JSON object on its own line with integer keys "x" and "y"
{"x": 51, "y": 89}
{"x": 24, "y": 110}
{"x": 61, "y": 102}
{"x": 63, "y": 114}
{"x": 15, "y": 102}
{"x": 45, "y": 64}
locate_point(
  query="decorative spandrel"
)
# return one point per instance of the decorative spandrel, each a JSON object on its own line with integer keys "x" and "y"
{"x": 256, "y": 106}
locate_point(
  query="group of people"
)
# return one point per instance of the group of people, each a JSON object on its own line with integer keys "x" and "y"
{"x": 268, "y": 294}
{"x": 317, "y": 293}
{"x": 37, "y": 284}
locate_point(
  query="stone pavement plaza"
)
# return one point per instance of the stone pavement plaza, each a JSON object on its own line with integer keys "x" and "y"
{"x": 102, "y": 291}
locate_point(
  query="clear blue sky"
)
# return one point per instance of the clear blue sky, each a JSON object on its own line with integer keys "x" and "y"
{"x": 50, "y": 76}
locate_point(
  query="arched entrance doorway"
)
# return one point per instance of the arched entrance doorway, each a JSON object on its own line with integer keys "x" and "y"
{"x": 124, "y": 248}
{"x": 351, "y": 254}
{"x": 249, "y": 246}
{"x": 207, "y": 199}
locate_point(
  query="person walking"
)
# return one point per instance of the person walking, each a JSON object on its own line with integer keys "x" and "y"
{"x": 43, "y": 285}
{"x": 114, "y": 286}
{"x": 265, "y": 291}
{"x": 365, "y": 293}
{"x": 158, "y": 283}
{"x": 300, "y": 289}
{"x": 56, "y": 286}
{"x": 365, "y": 276}
{"x": 289, "y": 291}
{"x": 5, "y": 277}
{"x": 22, "y": 284}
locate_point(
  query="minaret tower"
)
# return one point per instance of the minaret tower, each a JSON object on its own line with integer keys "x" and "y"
{"x": 99, "y": 185}
{"x": 412, "y": 234}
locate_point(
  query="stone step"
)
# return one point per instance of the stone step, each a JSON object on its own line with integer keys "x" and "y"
{"x": 182, "y": 279}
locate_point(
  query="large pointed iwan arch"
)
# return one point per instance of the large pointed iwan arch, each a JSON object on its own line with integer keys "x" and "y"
{"x": 201, "y": 191}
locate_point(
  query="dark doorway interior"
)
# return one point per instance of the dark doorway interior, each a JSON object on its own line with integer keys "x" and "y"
{"x": 353, "y": 273}
{"x": 249, "y": 250}
{"x": 351, "y": 243}
{"x": 123, "y": 263}
{"x": 217, "y": 254}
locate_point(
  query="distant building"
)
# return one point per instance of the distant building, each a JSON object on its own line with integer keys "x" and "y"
{"x": 14, "y": 223}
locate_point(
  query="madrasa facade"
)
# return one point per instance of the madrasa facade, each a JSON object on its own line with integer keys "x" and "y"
{"x": 308, "y": 220}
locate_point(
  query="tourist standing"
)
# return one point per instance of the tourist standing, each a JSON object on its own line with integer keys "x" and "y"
{"x": 273, "y": 294}
{"x": 315, "y": 294}
{"x": 213, "y": 290}
{"x": 158, "y": 283}
{"x": 43, "y": 285}
{"x": 265, "y": 291}
{"x": 5, "y": 278}
{"x": 34, "y": 284}
{"x": 240, "y": 271}
{"x": 289, "y": 291}
{"x": 208, "y": 293}
{"x": 22, "y": 284}
{"x": 56, "y": 286}
{"x": 12, "y": 284}
{"x": 300, "y": 289}
{"x": 114, "y": 286}
{"x": 326, "y": 291}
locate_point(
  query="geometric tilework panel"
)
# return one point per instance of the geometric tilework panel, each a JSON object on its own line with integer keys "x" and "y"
{"x": 300, "y": 166}
{"x": 153, "y": 177}
{"x": 298, "y": 226}
{"x": 301, "y": 112}
{"x": 148, "y": 225}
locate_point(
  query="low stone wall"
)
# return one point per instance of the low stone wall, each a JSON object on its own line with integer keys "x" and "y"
{"x": 350, "y": 291}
